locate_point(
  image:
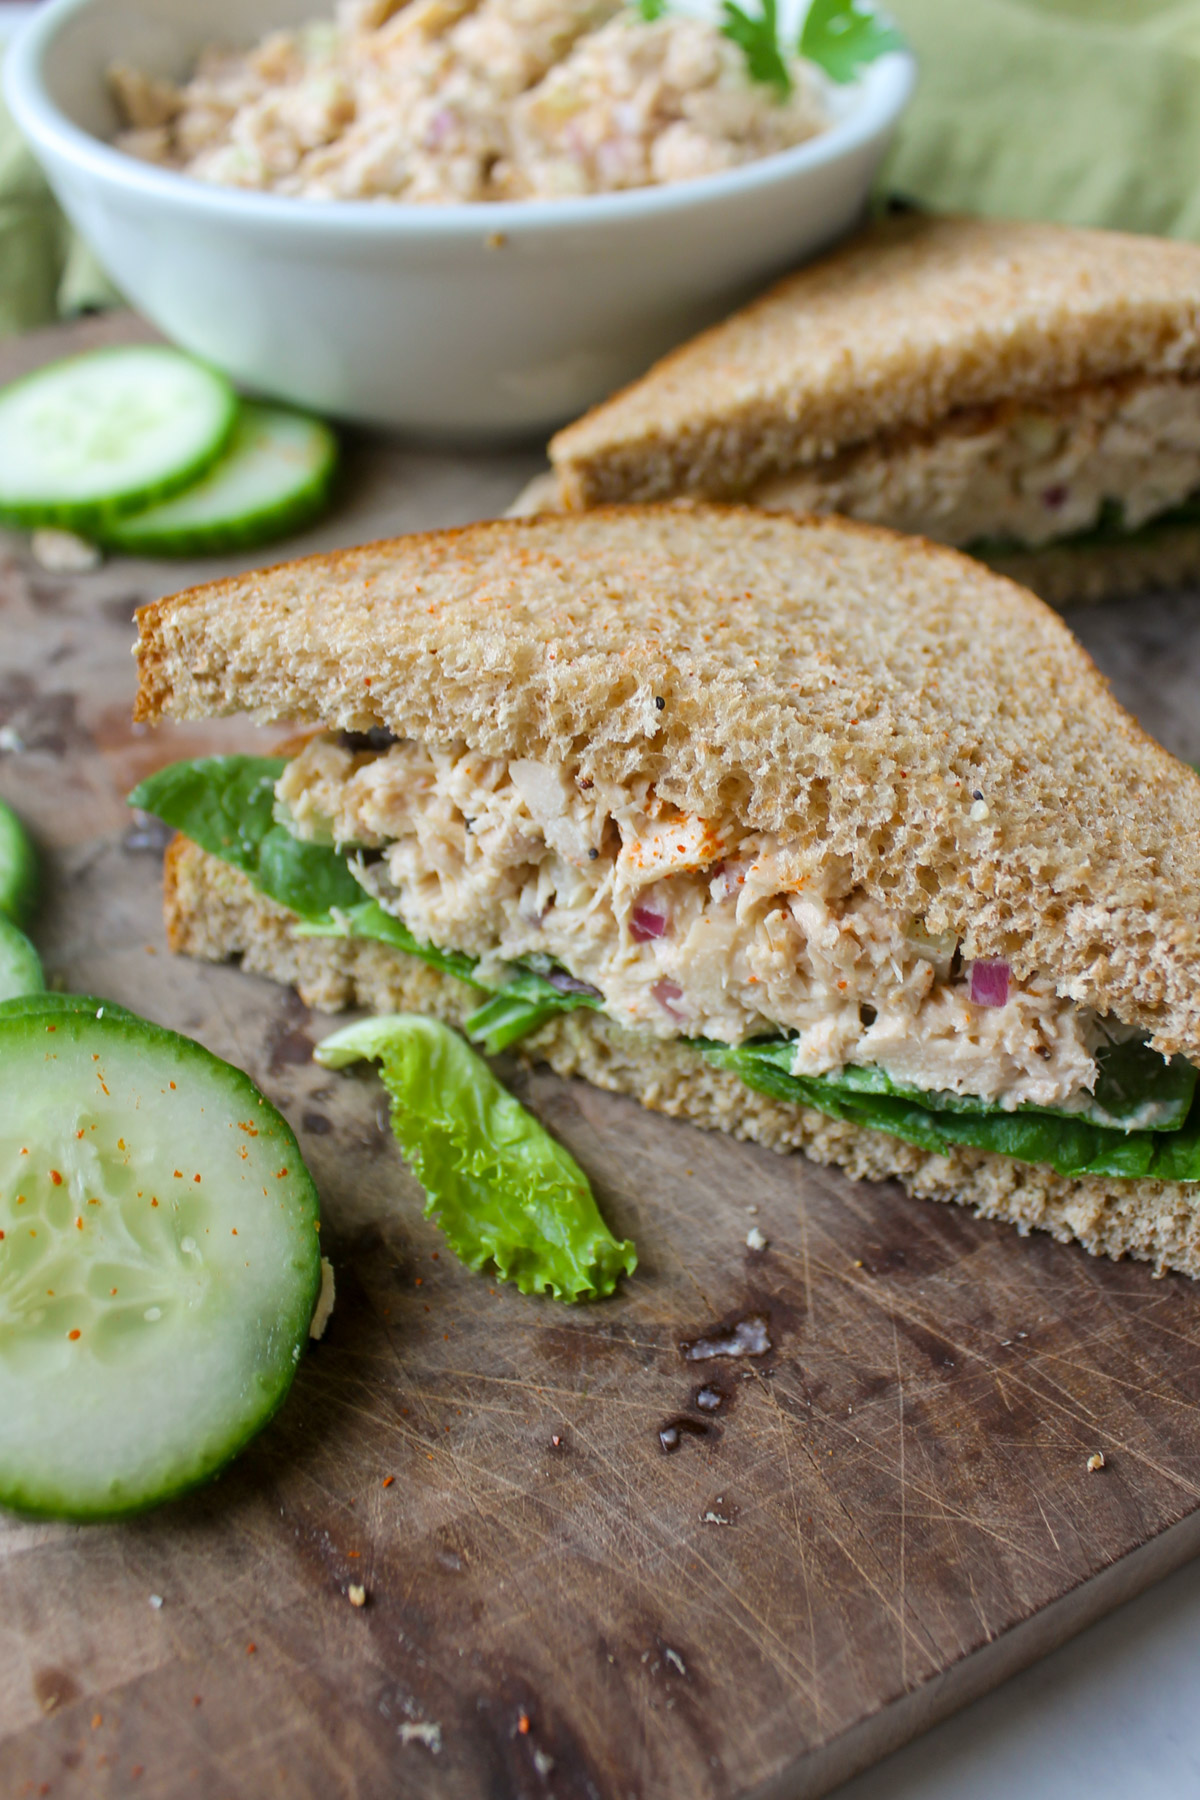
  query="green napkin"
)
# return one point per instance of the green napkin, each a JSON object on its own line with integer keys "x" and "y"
{"x": 46, "y": 271}
{"x": 1086, "y": 111}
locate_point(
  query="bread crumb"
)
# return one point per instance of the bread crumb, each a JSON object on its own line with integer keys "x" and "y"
{"x": 156, "y": 1601}
{"x": 755, "y": 1239}
{"x": 356, "y": 1594}
{"x": 325, "y": 1299}
{"x": 1095, "y": 1461}
{"x": 63, "y": 553}
{"x": 422, "y": 1732}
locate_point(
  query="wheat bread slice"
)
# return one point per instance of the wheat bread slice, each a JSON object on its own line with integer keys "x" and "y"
{"x": 913, "y": 319}
{"x": 1063, "y": 575}
{"x": 214, "y": 913}
{"x": 884, "y": 704}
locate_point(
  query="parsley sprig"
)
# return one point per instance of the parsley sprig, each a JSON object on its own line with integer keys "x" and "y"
{"x": 842, "y": 35}
{"x": 757, "y": 36}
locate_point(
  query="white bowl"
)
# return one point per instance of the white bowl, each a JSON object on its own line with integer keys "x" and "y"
{"x": 482, "y": 320}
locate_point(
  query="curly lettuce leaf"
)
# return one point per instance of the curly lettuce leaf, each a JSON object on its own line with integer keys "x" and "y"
{"x": 226, "y": 805}
{"x": 1070, "y": 1146}
{"x": 840, "y": 36}
{"x": 505, "y": 1193}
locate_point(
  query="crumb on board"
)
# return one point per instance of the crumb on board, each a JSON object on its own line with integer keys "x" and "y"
{"x": 356, "y": 1594}
{"x": 156, "y": 1601}
{"x": 63, "y": 552}
{"x": 755, "y": 1239}
{"x": 1095, "y": 1461}
{"x": 325, "y": 1300}
{"x": 421, "y": 1731}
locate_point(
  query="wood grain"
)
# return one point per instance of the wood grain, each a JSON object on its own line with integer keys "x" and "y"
{"x": 859, "y": 1529}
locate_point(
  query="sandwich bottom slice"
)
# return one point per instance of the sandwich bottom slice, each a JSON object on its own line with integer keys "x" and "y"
{"x": 726, "y": 811}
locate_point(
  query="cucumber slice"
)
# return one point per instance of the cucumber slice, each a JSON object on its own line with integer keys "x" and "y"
{"x": 97, "y": 434}
{"x": 18, "y": 868}
{"x": 23, "y": 1005}
{"x": 158, "y": 1269}
{"x": 20, "y": 964}
{"x": 274, "y": 475}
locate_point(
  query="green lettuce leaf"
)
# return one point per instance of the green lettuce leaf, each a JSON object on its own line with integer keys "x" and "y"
{"x": 226, "y": 804}
{"x": 505, "y": 1193}
{"x": 842, "y": 35}
{"x": 367, "y": 919}
{"x": 1070, "y": 1146}
{"x": 1110, "y": 528}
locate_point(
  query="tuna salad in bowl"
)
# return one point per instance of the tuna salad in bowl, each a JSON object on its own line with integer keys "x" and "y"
{"x": 460, "y": 218}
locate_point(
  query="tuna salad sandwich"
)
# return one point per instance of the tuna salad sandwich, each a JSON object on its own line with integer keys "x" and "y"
{"x": 1027, "y": 392}
{"x": 799, "y": 829}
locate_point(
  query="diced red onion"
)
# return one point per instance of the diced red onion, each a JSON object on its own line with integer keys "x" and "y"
{"x": 989, "y": 983}
{"x": 666, "y": 993}
{"x": 1054, "y": 497}
{"x": 571, "y": 984}
{"x": 645, "y": 924}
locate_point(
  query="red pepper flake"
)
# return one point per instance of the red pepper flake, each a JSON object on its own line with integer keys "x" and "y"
{"x": 388, "y": 1480}
{"x": 74, "y": 1334}
{"x": 137, "y": 1770}
{"x": 178, "y": 1174}
{"x": 233, "y": 1230}
{"x": 79, "y": 1223}
{"x": 279, "y": 1173}
{"x": 97, "y": 1721}
{"x": 197, "y": 1699}
{"x": 436, "y": 1257}
{"x": 79, "y": 1133}
{"x": 56, "y": 1178}
{"x": 523, "y": 1724}
{"x": 418, "y": 1281}
{"x": 153, "y": 1201}
{"x": 1, "y": 1234}
{"x": 250, "y": 1649}
{"x": 354, "y": 1554}
{"x": 195, "y": 1178}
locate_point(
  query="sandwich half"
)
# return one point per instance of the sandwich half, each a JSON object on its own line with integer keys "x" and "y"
{"x": 798, "y": 829}
{"x": 1027, "y": 392}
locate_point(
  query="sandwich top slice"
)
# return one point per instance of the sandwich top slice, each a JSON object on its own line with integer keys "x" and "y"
{"x": 1028, "y": 392}
{"x": 798, "y": 828}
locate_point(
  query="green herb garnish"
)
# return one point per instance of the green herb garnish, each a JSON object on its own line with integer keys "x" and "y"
{"x": 757, "y": 36}
{"x": 840, "y": 36}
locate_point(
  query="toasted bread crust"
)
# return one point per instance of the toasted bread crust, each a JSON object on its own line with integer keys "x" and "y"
{"x": 214, "y": 913}
{"x": 850, "y": 689}
{"x": 915, "y": 317}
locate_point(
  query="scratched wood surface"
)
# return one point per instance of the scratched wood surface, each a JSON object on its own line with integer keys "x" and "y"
{"x": 875, "y": 1518}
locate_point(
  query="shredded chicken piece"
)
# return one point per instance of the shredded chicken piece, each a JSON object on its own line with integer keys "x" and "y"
{"x": 685, "y": 926}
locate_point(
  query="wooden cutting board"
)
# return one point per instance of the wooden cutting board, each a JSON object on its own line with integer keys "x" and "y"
{"x": 596, "y": 1568}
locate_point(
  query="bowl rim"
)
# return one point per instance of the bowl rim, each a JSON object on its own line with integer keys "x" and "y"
{"x": 885, "y": 89}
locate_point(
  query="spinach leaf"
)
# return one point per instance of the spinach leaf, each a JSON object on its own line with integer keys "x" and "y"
{"x": 1070, "y": 1146}
{"x": 367, "y": 919}
{"x": 842, "y": 35}
{"x": 226, "y": 805}
{"x": 505, "y": 1193}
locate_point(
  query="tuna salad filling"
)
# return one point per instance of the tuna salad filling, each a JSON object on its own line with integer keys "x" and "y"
{"x": 1019, "y": 474}
{"x": 679, "y": 926}
{"x": 460, "y": 100}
